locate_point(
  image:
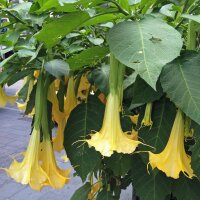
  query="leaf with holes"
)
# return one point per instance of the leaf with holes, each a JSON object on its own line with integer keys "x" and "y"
{"x": 145, "y": 45}
{"x": 180, "y": 80}
{"x": 83, "y": 119}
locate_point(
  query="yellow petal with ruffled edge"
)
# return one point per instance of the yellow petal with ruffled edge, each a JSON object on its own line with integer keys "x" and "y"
{"x": 4, "y": 98}
{"x": 111, "y": 137}
{"x": 29, "y": 170}
{"x": 57, "y": 177}
{"x": 173, "y": 159}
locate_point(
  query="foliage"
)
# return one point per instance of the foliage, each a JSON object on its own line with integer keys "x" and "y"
{"x": 153, "y": 49}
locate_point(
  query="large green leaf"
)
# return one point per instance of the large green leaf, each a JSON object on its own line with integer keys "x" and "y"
{"x": 119, "y": 163}
{"x": 83, "y": 119}
{"x": 55, "y": 30}
{"x": 82, "y": 192}
{"x": 87, "y": 57}
{"x": 57, "y": 68}
{"x": 145, "y": 45}
{"x": 163, "y": 114}
{"x": 100, "y": 77}
{"x": 186, "y": 189}
{"x": 142, "y": 93}
{"x": 180, "y": 80}
{"x": 195, "y": 18}
{"x": 154, "y": 186}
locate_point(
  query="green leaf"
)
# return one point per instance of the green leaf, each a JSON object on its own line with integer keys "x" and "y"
{"x": 100, "y": 77}
{"x": 195, "y": 18}
{"x": 154, "y": 186}
{"x": 83, "y": 119}
{"x": 82, "y": 192}
{"x": 163, "y": 115}
{"x": 105, "y": 195}
{"x": 57, "y": 68}
{"x": 130, "y": 80}
{"x": 87, "y": 57}
{"x": 21, "y": 8}
{"x": 23, "y": 53}
{"x": 19, "y": 75}
{"x": 7, "y": 60}
{"x": 53, "y": 32}
{"x": 101, "y": 19}
{"x": 187, "y": 189}
{"x": 142, "y": 93}
{"x": 145, "y": 45}
{"x": 180, "y": 80}
{"x": 120, "y": 164}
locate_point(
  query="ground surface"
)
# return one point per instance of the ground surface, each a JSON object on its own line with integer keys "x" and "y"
{"x": 14, "y": 137}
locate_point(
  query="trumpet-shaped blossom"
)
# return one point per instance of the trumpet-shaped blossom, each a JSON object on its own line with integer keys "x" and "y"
{"x": 173, "y": 159}
{"x": 147, "y": 116}
{"x": 111, "y": 137}
{"x": 4, "y": 98}
{"x": 29, "y": 170}
{"x": 57, "y": 177}
{"x": 71, "y": 100}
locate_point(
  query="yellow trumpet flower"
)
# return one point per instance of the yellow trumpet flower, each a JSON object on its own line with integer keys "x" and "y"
{"x": 173, "y": 159}
{"x": 147, "y": 116}
{"x": 59, "y": 139}
{"x": 4, "y": 98}
{"x": 71, "y": 100}
{"x": 57, "y": 177}
{"x": 29, "y": 170}
{"x": 111, "y": 137}
{"x": 134, "y": 119}
{"x": 83, "y": 89}
{"x": 95, "y": 188}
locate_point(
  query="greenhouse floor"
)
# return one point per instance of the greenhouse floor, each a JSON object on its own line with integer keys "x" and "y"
{"x": 14, "y": 137}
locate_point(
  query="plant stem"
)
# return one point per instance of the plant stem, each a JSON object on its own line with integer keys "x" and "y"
{"x": 191, "y": 36}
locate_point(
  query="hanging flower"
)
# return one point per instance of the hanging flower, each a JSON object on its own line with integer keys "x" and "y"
{"x": 4, "y": 98}
{"x": 83, "y": 89}
{"x": 95, "y": 188}
{"x": 70, "y": 101}
{"x": 134, "y": 119}
{"x": 173, "y": 159}
{"x": 59, "y": 139}
{"x": 57, "y": 177}
{"x": 29, "y": 170}
{"x": 147, "y": 116}
{"x": 111, "y": 137}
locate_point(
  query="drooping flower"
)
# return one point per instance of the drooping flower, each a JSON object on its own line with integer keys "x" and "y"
{"x": 111, "y": 137}
{"x": 95, "y": 188}
{"x": 57, "y": 177}
{"x": 134, "y": 119}
{"x": 4, "y": 98}
{"x": 70, "y": 101}
{"x": 59, "y": 139}
{"x": 83, "y": 89}
{"x": 147, "y": 116}
{"x": 29, "y": 170}
{"x": 173, "y": 159}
